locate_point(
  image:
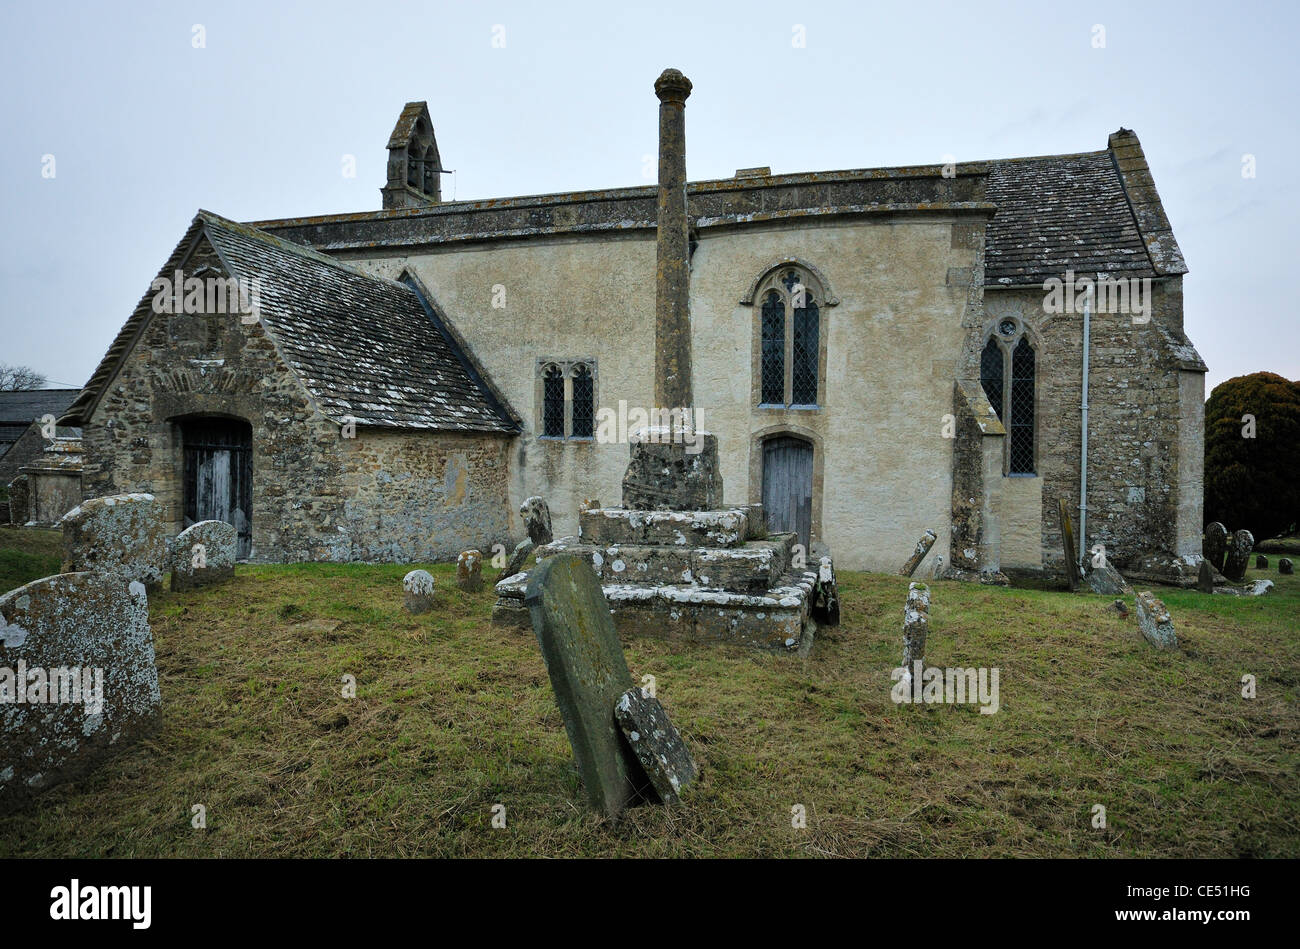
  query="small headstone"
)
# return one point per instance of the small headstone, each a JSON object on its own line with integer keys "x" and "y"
{"x": 202, "y": 554}
{"x": 1155, "y": 622}
{"x": 664, "y": 757}
{"x": 88, "y": 637}
{"x": 938, "y": 567}
{"x": 584, "y": 660}
{"x": 1120, "y": 607}
{"x": 1284, "y": 565}
{"x": 1205, "y": 578}
{"x": 916, "y": 622}
{"x": 469, "y": 571}
{"x": 517, "y": 559}
{"x": 122, "y": 535}
{"x": 1067, "y": 541}
{"x": 922, "y": 548}
{"x": 824, "y": 601}
{"x": 19, "y": 500}
{"x": 537, "y": 520}
{"x": 1107, "y": 581}
{"x": 1261, "y": 562}
{"x": 1238, "y": 556}
{"x": 1215, "y": 544}
{"x": 418, "y": 589}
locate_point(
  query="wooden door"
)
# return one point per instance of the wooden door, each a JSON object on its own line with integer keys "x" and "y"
{"x": 219, "y": 475}
{"x": 787, "y": 486}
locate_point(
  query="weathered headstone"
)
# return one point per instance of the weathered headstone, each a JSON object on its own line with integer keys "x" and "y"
{"x": 664, "y": 757}
{"x": 1067, "y": 542}
{"x": 588, "y": 673}
{"x": 1238, "y": 555}
{"x": 916, "y": 623}
{"x": 202, "y": 554}
{"x": 537, "y": 520}
{"x": 1107, "y": 581}
{"x": 19, "y": 500}
{"x": 1284, "y": 565}
{"x": 1215, "y": 544}
{"x": 469, "y": 571}
{"x": 417, "y": 587}
{"x": 922, "y": 548}
{"x": 517, "y": 559}
{"x": 824, "y": 605}
{"x": 1155, "y": 622}
{"x": 121, "y": 534}
{"x": 1261, "y": 562}
{"x": 77, "y": 678}
{"x": 1205, "y": 578}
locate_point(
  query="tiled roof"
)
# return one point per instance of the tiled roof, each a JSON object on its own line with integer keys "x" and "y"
{"x": 363, "y": 346}
{"x": 24, "y": 406}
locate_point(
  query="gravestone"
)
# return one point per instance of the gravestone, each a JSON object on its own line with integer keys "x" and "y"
{"x": 121, "y": 534}
{"x": 663, "y": 756}
{"x": 916, "y": 622}
{"x": 1155, "y": 622}
{"x": 469, "y": 571}
{"x": 202, "y": 554}
{"x": 588, "y": 673}
{"x": 1261, "y": 562}
{"x": 824, "y": 601}
{"x": 1205, "y": 578}
{"x": 1107, "y": 581}
{"x": 417, "y": 587}
{"x": 922, "y": 548}
{"x": 1067, "y": 541}
{"x": 1215, "y": 544}
{"x": 517, "y": 559}
{"x": 537, "y": 520}
{"x": 1284, "y": 565}
{"x": 19, "y": 500}
{"x": 1238, "y": 555}
{"x": 78, "y": 648}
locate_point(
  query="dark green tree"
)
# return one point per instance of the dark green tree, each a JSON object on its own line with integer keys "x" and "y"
{"x": 1253, "y": 482}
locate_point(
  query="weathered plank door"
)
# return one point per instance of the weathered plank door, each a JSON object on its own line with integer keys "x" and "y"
{"x": 219, "y": 475}
{"x": 787, "y": 486}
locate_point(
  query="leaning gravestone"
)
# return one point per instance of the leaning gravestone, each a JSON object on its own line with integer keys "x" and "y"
{"x": 1155, "y": 622}
{"x": 122, "y": 535}
{"x": 1238, "y": 557}
{"x": 537, "y": 520}
{"x": 663, "y": 755}
{"x": 1215, "y": 544}
{"x": 1107, "y": 581}
{"x": 1284, "y": 565}
{"x": 1067, "y": 541}
{"x": 517, "y": 559}
{"x": 77, "y": 678}
{"x": 922, "y": 548}
{"x": 469, "y": 571}
{"x": 418, "y": 589}
{"x": 588, "y": 673}
{"x": 203, "y": 553}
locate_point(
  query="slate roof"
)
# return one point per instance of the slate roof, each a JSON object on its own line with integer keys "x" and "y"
{"x": 1058, "y": 213}
{"x": 18, "y": 409}
{"x": 363, "y": 346}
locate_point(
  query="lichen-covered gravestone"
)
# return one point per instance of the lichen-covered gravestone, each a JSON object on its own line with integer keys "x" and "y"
{"x": 121, "y": 535}
{"x": 1155, "y": 622}
{"x": 469, "y": 571}
{"x": 1238, "y": 556}
{"x": 517, "y": 559}
{"x": 77, "y": 678}
{"x": 1108, "y": 581}
{"x": 537, "y": 520}
{"x": 1215, "y": 544}
{"x": 588, "y": 673}
{"x": 418, "y": 587}
{"x": 1067, "y": 543}
{"x": 916, "y": 623}
{"x": 663, "y": 756}
{"x": 203, "y": 553}
{"x": 19, "y": 500}
{"x": 922, "y": 548}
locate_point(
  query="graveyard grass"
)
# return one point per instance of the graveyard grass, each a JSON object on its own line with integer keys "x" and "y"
{"x": 453, "y": 716}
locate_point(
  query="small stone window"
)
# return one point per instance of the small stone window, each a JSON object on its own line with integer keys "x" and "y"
{"x": 1009, "y": 356}
{"x": 567, "y": 398}
{"x": 790, "y": 337}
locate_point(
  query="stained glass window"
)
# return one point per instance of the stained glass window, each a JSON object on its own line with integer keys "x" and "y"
{"x": 804, "y": 359}
{"x": 773, "y": 356}
{"x": 1021, "y": 430}
{"x": 553, "y": 402}
{"x": 584, "y": 402}
{"x": 992, "y": 373}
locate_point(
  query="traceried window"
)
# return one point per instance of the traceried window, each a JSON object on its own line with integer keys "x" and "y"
{"x": 1009, "y": 355}
{"x": 567, "y": 398}
{"x": 790, "y": 343}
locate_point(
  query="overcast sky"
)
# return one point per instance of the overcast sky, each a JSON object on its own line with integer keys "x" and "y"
{"x": 145, "y": 126}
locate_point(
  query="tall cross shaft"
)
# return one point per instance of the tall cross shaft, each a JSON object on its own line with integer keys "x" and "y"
{"x": 672, "y": 249}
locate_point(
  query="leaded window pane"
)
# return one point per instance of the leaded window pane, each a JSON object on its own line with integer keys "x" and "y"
{"x": 584, "y": 403}
{"x": 1022, "y": 408}
{"x": 991, "y": 375}
{"x": 804, "y": 369}
{"x": 773, "y": 356}
{"x": 553, "y": 402}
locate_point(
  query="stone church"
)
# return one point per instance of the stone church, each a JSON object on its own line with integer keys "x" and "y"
{"x": 877, "y": 352}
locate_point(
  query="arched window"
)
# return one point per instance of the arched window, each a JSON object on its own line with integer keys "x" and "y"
{"x": 553, "y": 401}
{"x": 1009, "y": 354}
{"x": 790, "y": 344}
{"x": 584, "y": 402}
